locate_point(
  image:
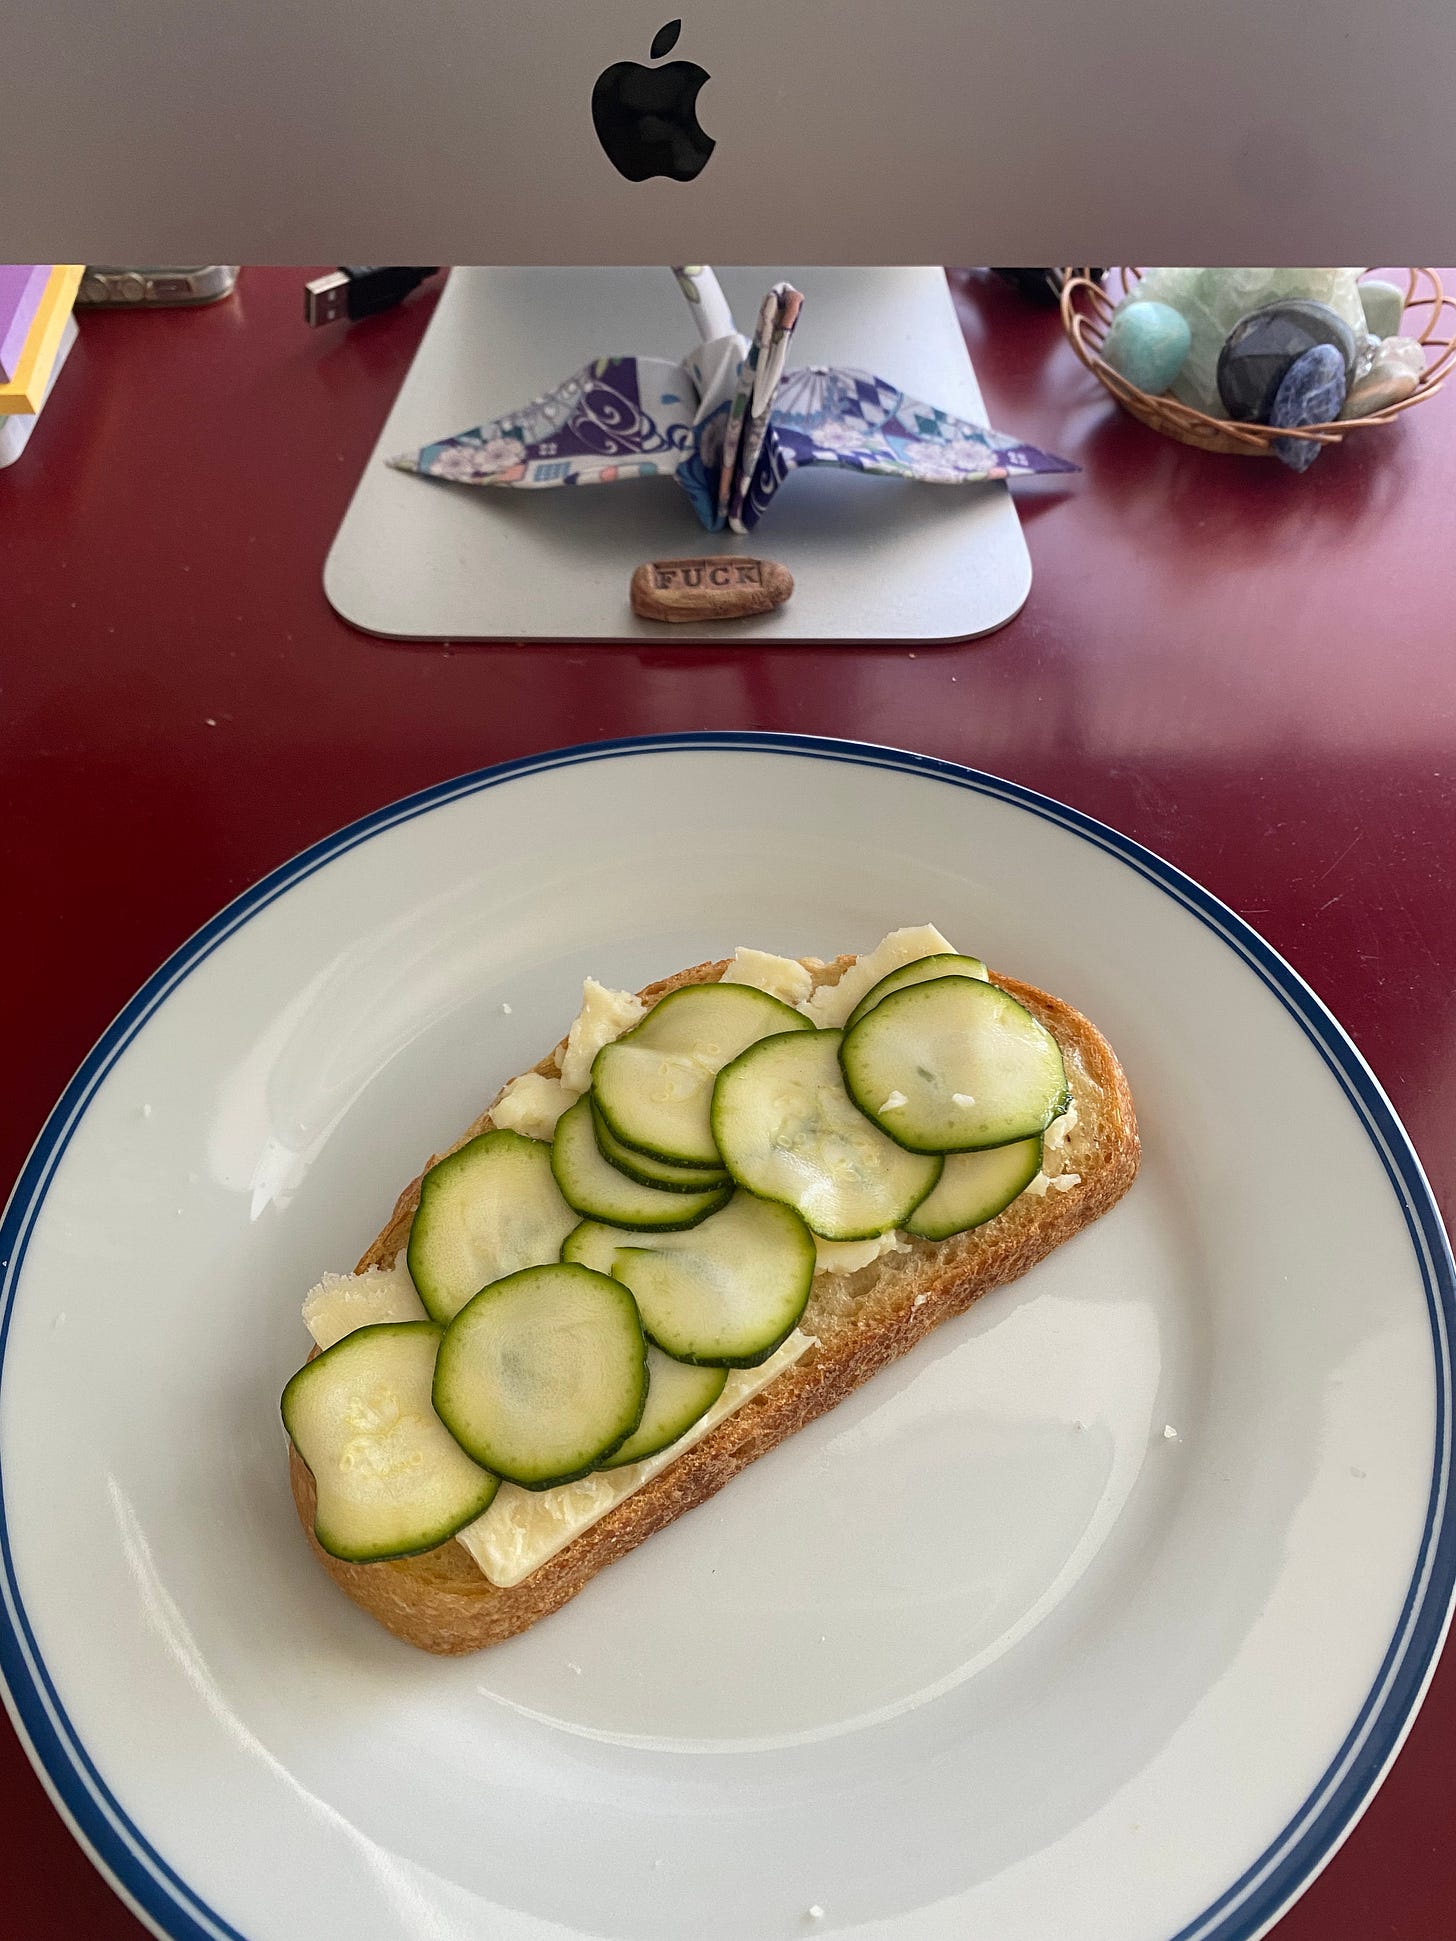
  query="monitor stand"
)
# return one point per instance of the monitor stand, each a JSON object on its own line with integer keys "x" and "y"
{"x": 873, "y": 559}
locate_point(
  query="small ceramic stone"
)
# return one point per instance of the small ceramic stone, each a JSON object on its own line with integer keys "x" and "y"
{"x": 1395, "y": 370}
{"x": 1383, "y": 304}
{"x": 1260, "y": 349}
{"x": 722, "y": 588}
{"x": 1311, "y": 394}
{"x": 1148, "y": 343}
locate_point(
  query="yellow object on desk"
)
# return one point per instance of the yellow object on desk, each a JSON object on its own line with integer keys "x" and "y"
{"x": 26, "y": 390}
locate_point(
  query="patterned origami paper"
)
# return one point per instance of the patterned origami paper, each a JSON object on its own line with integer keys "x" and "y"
{"x": 729, "y": 423}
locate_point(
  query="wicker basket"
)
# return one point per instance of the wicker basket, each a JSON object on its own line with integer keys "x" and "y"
{"x": 1087, "y": 310}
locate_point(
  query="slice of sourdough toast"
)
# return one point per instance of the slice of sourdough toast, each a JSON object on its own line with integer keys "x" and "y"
{"x": 860, "y": 1321}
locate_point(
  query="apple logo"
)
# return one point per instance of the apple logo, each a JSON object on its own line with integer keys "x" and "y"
{"x": 647, "y": 117}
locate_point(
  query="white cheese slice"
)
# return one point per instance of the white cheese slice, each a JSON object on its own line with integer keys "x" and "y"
{"x": 524, "y": 1528}
{"x": 343, "y": 1302}
{"x": 531, "y": 1105}
{"x": 603, "y": 1017}
{"x": 782, "y": 977}
{"x": 831, "y": 1004}
{"x": 848, "y": 1256}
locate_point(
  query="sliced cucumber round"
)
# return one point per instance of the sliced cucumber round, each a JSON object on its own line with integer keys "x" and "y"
{"x": 953, "y": 1066}
{"x": 677, "y": 1395}
{"x": 728, "y": 1293}
{"x": 647, "y": 1171}
{"x": 654, "y": 1085}
{"x": 595, "y": 1188}
{"x": 543, "y": 1375}
{"x": 789, "y": 1131}
{"x": 391, "y": 1479}
{"x": 595, "y": 1245}
{"x": 974, "y": 1187}
{"x": 486, "y": 1211}
{"x": 920, "y": 972}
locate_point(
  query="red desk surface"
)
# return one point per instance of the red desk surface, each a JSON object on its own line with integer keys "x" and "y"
{"x": 1252, "y": 673}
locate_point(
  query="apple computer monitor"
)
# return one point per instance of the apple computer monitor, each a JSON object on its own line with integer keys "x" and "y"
{"x": 608, "y": 132}
{"x": 829, "y": 131}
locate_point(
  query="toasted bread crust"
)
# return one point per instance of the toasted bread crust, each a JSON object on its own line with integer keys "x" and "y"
{"x": 442, "y": 1602}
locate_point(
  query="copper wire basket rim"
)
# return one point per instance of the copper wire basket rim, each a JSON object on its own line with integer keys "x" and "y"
{"x": 1087, "y": 310}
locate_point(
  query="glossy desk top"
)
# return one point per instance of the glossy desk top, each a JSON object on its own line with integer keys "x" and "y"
{"x": 1252, "y": 673}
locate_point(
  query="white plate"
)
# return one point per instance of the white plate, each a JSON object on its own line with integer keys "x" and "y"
{"x": 988, "y": 1653}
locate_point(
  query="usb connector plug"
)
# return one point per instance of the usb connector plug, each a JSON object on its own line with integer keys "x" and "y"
{"x": 360, "y": 290}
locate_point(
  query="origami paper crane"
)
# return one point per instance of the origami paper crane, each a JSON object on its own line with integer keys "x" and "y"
{"x": 729, "y": 422}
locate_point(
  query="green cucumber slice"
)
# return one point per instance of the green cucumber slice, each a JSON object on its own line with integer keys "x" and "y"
{"x": 595, "y": 1188}
{"x": 595, "y": 1245}
{"x": 543, "y": 1375}
{"x": 954, "y": 1066}
{"x": 654, "y": 1085}
{"x": 728, "y": 1293}
{"x": 920, "y": 972}
{"x": 391, "y": 1479}
{"x": 486, "y": 1211}
{"x": 677, "y": 1395}
{"x": 648, "y": 1171}
{"x": 789, "y": 1131}
{"x": 974, "y": 1187}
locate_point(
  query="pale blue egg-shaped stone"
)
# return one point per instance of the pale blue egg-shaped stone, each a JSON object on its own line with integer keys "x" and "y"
{"x": 1383, "y": 305}
{"x": 1147, "y": 343}
{"x": 1311, "y": 393}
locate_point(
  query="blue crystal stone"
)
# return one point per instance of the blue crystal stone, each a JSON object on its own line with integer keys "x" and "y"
{"x": 1261, "y": 347}
{"x": 1311, "y": 393}
{"x": 1148, "y": 344}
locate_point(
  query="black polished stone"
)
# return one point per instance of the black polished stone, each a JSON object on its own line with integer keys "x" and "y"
{"x": 1260, "y": 348}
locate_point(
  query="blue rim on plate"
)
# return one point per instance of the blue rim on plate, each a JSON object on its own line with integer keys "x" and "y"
{"x": 1250, "y": 1904}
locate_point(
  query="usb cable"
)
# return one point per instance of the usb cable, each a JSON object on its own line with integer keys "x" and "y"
{"x": 360, "y": 290}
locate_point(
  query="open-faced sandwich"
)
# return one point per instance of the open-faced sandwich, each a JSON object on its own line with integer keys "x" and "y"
{"x": 713, "y": 1211}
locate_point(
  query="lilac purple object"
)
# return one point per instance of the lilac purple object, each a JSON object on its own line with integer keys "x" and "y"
{"x": 22, "y": 285}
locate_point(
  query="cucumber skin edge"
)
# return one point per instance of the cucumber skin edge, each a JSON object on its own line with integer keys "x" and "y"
{"x": 497, "y": 1137}
{"x": 635, "y": 1145}
{"x": 1059, "y": 1106}
{"x": 975, "y": 1225}
{"x": 575, "y": 1475}
{"x": 720, "y": 1199}
{"x": 797, "y": 1022}
{"x": 663, "y": 1186}
{"x": 377, "y": 1556}
{"x": 873, "y": 1233}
